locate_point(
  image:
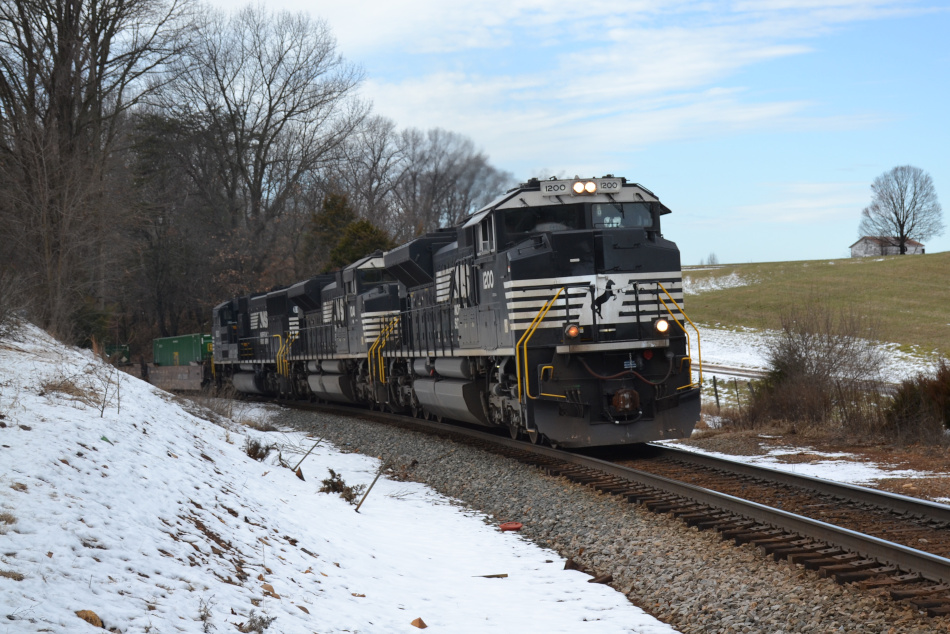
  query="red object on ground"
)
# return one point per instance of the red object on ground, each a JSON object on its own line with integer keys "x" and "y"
{"x": 511, "y": 526}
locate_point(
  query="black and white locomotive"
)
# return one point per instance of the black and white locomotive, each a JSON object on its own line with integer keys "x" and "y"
{"x": 554, "y": 312}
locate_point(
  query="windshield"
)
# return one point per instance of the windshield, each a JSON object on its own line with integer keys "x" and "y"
{"x": 374, "y": 276}
{"x": 609, "y": 215}
{"x": 547, "y": 218}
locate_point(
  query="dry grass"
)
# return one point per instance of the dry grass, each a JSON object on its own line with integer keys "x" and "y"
{"x": 69, "y": 388}
{"x": 909, "y": 294}
{"x": 9, "y": 574}
{"x": 6, "y": 520}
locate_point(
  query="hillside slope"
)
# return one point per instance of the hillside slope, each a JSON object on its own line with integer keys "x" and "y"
{"x": 125, "y": 503}
{"x": 908, "y": 296}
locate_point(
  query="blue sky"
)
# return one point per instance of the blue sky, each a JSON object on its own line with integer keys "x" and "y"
{"x": 761, "y": 124}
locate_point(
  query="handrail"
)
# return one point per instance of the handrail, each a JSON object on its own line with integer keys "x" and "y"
{"x": 699, "y": 352}
{"x": 291, "y": 338}
{"x": 525, "y": 338}
{"x": 374, "y": 356}
{"x": 370, "y": 355}
{"x": 280, "y": 348}
{"x": 387, "y": 331}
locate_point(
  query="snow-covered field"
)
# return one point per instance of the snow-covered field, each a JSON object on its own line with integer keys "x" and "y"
{"x": 116, "y": 500}
{"x": 696, "y": 286}
{"x": 748, "y": 348}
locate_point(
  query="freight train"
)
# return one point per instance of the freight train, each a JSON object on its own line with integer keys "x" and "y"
{"x": 555, "y": 312}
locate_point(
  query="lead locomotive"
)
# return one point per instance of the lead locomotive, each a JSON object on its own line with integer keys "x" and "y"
{"x": 554, "y": 312}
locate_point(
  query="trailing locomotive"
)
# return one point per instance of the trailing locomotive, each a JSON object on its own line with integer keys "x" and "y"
{"x": 555, "y": 312}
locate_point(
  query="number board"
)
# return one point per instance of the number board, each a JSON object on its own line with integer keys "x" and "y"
{"x": 566, "y": 187}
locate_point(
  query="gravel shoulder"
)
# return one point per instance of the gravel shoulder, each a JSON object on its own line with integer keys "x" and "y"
{"x": 687, "y": 578}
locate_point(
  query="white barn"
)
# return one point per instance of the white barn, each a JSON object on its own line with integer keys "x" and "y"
{"x": 869, "y": 246}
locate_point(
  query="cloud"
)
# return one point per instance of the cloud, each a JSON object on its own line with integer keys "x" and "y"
{"x": 807, "y": 204}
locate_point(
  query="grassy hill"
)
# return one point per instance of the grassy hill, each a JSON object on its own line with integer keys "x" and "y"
{"x": 909, "y": 296}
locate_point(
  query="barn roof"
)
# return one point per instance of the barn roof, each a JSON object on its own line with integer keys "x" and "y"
{"x": 887, "y": 241}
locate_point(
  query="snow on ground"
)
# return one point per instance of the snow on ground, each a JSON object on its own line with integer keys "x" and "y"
{"x": 115, "y": 499}
{"x": 748, "y": 348}
{"x": 696, "y": 286}
{"x": 835, "y": 466}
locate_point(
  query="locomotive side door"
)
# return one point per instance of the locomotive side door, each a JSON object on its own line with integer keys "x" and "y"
{"x": 489, "y": 284}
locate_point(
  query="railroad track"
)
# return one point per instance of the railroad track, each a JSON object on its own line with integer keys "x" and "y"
{"x": 729, "y": 371}
{"x": 886, "y": 543}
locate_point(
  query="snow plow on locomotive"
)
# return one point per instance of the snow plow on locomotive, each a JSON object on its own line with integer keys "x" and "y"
{"x": 555, "y": 312}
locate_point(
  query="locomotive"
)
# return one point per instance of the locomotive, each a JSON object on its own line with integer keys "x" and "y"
{"x": 554, "y": 312}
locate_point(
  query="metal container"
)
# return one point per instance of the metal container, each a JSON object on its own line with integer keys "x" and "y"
{"x": 182, "y": 350}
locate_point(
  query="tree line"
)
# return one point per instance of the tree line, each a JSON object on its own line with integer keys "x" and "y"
{"x": 159, "y": 156}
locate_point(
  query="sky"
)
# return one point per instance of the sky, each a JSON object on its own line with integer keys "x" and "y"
{"x": 761, "y": 124}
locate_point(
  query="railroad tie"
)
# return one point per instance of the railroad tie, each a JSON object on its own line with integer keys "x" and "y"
{"x": 621, "y": 487}
{"x": 942, "y": 610}
{"x": 642, "y": 494}
{"x": 753, "y": 536}
{"x": 898, "y": 595}
{"x": 818, "y": 564}
{"x": 751, "y": 527}
{"x": 814, "y": 555}
{"x": 895, "y": 580}
{"x": 669, "y": 507}
{"x": 704, "y": 515}
{"x": 781, "y": 540}
{"x": 726, "y": 523}
{"x": 861, "y": 575}
{"x": 660, "y": 502}
{"x": 687, "y": 511}
{"x": 931, "y": 603}
{"x": 851, "y": 566}
{"x": 780, "y": 549}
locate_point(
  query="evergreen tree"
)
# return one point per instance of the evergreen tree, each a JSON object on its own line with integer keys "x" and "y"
{"x": 359, "y": 239}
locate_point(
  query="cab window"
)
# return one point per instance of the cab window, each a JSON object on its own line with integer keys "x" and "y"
{"x": 486, "y": 236}
{"x": 547, "y": 218}
{"x": 613, "y": 215}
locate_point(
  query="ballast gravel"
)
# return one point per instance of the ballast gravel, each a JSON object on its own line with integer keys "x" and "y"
{"x": 688, "y": 578}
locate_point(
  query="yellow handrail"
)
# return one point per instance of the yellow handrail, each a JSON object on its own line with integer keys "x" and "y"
{"x": 379, "y": 351}
{"x": 369, "y": 355}
{"x": 374, "y": 356}
{"x": 280, "y": 348}
{"x": 525, "y": 338}
{"x": 291, "y": 338}
{"x": 699, "y": 352}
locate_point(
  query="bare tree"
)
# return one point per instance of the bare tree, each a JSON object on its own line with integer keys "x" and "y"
{"x": 274, "y": 102}
{"x": 443, "y": 179}
{"x": 69, "y": 70}
{"x": 904, "y": 206}
{"x": 372, "y": 168}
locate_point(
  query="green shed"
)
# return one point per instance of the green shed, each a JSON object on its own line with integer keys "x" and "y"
{"x": 182, "y": 350}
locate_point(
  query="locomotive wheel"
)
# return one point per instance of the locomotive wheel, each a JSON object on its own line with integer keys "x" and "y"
{"x": 536, "y": 437}
{"x": 514, "y": 431}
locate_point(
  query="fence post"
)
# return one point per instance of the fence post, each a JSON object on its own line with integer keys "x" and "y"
{"x": 716, "y": 393}
{"x": 735, "y": 384}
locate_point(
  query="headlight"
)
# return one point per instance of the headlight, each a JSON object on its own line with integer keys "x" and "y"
{"x": 572, "y": 331}
{"x": 662, "y": 326}
{"x": 584, "y": 187}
